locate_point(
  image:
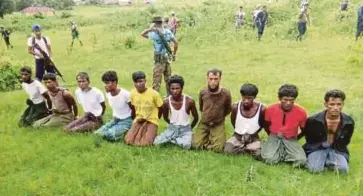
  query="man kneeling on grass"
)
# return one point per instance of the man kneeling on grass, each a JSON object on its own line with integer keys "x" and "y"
{"x": 215, "y": 103}
{"x": 64, "y": 107}
{"x": 282, "y": 122}
{"x": 328, "y": 134}
{"x": 93, "y": 103}
{"x": 247, "y": 120}
{"x": 179, "y": 106}
{"x": 37, "y": 109}
{"x": 147, "y": 106}
{"x": 119, "y": 101}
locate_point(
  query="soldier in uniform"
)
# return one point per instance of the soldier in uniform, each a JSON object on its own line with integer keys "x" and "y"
{"x": 161, "y": 38}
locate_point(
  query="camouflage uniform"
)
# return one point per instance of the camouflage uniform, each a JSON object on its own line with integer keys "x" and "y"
{"x": 161, "y": 60}
{"x": 162, "y": 68}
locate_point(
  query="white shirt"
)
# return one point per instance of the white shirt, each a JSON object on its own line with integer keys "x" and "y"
{"x": 246, "y": 125}
{"x": 91, "y": 100}
{"x": 240, "y": 14}
{"x": 179, "y": 117}
{"x": 119, "y": 104}
{"x": 41, "y": 44}
{"x": 35, "y": 90}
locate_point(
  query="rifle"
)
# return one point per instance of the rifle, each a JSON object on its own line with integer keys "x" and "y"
{"x": 166, "y": 45}
{"x": 48, "y": 61}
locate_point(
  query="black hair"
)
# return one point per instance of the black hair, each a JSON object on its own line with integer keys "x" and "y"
{"x": 288, "y": 90}
{"x": 249, "y": 90}
{"x": 26, "y": 69}
{"x": 175, "y": 79}
{"x": 166, "y": 19}
{"x": 50, "y": 76}
{"x": 109, "y": 76}
{"x": 138, "y": 75}
{"x": 215, "y": 71}
{"x": 335, "y": 93}
{"x": 83, "y": 75}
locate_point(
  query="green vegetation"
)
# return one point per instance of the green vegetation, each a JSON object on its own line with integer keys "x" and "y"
{"x": 50, "y": 162}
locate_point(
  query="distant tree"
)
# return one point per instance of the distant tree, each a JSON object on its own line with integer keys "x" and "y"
{"x": 56, "y": 4}
{"x": 6, "y": 7}
{"x": 21, "y": 4}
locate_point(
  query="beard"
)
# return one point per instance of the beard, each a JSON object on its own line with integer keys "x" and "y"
{"x": 213, "y": 89}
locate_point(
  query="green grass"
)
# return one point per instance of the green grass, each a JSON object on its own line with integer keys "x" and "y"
{"x": 50, "y": 162}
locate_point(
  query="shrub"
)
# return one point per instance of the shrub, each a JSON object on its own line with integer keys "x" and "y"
{"x": 130, "y": 42}
{"x": 65, "y": 15}
{"x": 38, "y": 15}
{"x": 152, "y": 10}
{"x": 9, "y": 78}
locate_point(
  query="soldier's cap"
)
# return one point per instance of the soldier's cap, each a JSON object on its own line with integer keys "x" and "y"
{"x": 36, "y": 27}
{"x": 157, "y": 19}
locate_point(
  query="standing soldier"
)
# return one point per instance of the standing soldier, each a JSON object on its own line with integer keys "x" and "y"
{"x": 44, "y": 44}
{"x": 344, "y": 5}
{"x": 254, "y": 15}
{"x": 240, "y": 18}
{"x": 174, "y": 23}
{"x": 261, "y": 20}
{"x": 304, "y": 17}
{"x": 161, "y": 37}
{"x": 6, "y": 35}
{"x": 75, "y": 34}
{"x": 359, "y": 23}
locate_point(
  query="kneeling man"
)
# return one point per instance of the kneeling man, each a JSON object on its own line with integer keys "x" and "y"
{"x": 215, "y": 103}
{"x": 282, "y": 122}
{"x": 64, "y": 107}
{"x": 328, "y": 134}
{"x": 119, "y": 101}
{"x": 37, "y": 108}
{"x": 147, "y": 108}
{"x": 179, "y": 106}
{"x": 247, "y": 120}
{"x": 93, "y": 103}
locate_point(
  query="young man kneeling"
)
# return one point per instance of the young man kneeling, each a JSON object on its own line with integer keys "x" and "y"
{"x": 93, "y": 103}
{"x": 147, "y": 107}
{"x": 328, "y": 134}
{"x": 119, "y": 101}
{"x": 282, "y": 123}
{"x": 247, "y": 120}
{"x": 64, "y": 107}
{"x": 179, "y": 107}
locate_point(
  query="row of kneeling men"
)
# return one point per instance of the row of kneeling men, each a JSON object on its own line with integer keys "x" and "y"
{"x": 136, "y": 115}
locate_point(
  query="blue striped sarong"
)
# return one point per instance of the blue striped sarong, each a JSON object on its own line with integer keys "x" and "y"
{"x": 114, "y": 130}
{"x": 176, "y": 134}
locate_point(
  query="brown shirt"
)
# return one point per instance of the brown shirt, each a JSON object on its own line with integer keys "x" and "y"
{"x": 59, "y": 104}
{"x": 215, "y": 106}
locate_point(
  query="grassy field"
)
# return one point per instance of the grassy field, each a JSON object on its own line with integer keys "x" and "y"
{"x": 50, "y": 162}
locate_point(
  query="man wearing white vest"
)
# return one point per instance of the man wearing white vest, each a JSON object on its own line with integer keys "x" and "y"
{"x": 176, "y": 110}
{"x": 247, "y": 120}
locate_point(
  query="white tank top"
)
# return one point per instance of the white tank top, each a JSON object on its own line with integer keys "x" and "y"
{"x": 179, "y": 117}
{"x": 247, "y": 125}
